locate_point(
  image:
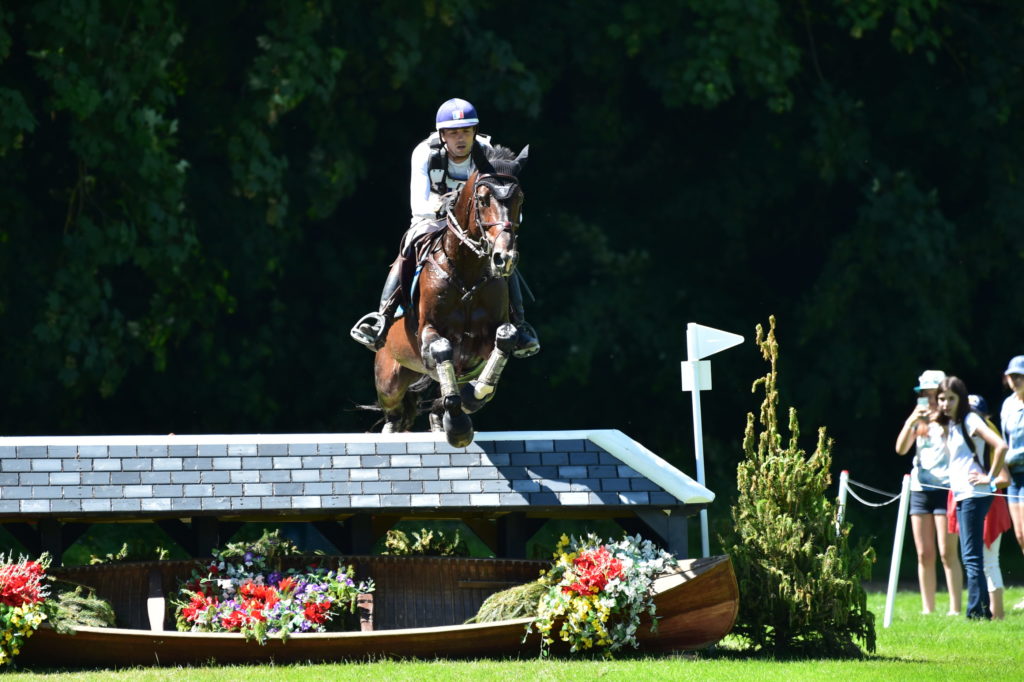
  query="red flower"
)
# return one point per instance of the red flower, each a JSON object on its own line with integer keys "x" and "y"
{"x": 234, "y": 620}
{"x": 197, "y": 606}
{"x": 286, "y": 584}
{"x": 317, "y": 613}
{"x": 20, "y": 583}
{"x": 593, "y": 569}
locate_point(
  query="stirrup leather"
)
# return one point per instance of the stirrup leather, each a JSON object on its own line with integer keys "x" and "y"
{"x": 369, "y": 330}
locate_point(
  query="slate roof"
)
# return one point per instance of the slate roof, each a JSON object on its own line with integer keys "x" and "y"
{"x": 79, "y": 476}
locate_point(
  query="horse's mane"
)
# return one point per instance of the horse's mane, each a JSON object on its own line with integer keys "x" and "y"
{"x": 499, "y": 152}
{"x": 503, "y": 160}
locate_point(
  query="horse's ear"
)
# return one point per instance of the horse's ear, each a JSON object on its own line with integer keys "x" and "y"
{"x": 523, "y": 156}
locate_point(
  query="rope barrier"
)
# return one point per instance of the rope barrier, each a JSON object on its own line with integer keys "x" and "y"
{"x": 874, "y": 490}
{"x": 892, "y": 498}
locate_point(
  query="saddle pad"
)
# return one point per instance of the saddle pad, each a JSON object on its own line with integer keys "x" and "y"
{"x": 413, "y": 291}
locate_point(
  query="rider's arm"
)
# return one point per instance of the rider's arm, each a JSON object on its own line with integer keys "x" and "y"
{"x": 420, "y": 201}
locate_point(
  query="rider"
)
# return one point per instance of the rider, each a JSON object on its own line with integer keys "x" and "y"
{"x": 441, "y": 164}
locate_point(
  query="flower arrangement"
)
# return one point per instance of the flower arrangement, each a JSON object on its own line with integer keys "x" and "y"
{"x": 245, "y": 590}
{"x": 22, "y": 596}
{"x": 598, "y": 591}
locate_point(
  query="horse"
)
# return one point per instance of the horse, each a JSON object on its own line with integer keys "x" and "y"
{"x": 456, "y": 329}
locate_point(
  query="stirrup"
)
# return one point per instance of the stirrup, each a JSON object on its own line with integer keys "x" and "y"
{"x": 369, "y": 331}
{"x": 527, "y": 343}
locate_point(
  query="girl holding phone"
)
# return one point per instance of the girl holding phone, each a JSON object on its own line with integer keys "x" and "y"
{"x": 929, "y": 482}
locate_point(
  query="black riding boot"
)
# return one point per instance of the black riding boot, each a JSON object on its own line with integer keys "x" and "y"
{"x": 527, "y": 343}
{"x": 371, "y": 328}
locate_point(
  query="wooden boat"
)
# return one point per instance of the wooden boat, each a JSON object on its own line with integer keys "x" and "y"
{"x": 416, "y": 605}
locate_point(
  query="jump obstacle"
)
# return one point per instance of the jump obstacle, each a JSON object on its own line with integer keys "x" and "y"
{"x": 352, "y": 487}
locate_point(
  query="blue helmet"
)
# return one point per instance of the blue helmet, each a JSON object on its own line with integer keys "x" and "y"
{"x": 456, "y": 113}
{"x": 978, "y": 403}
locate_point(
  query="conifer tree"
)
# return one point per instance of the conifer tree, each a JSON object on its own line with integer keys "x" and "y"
{"x": 799, "y": 579}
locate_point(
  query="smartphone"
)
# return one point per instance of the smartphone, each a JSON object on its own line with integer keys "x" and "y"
{"x": 922, "y": 401}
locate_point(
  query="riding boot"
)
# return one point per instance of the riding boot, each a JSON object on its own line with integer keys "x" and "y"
{"x": 372, "y": 328}
{"x": 527, "y": 343}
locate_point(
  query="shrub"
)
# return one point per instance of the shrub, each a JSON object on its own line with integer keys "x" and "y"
{"x": 799, "y": 580}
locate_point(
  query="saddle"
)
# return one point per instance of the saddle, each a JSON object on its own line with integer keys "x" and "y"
{"x": 411, "y": 259}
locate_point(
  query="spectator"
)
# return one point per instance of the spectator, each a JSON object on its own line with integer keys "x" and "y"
{"x": 929, "y": 481}
{"x": 971, "y": 484}
{"x": 997, "y": 521}
{"x": 1011, "y": 421}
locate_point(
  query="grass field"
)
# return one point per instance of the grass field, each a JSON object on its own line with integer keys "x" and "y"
{"x": 915, "y": 648}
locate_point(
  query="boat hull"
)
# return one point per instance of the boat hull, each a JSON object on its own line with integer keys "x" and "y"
{"x": 696, "y": 608}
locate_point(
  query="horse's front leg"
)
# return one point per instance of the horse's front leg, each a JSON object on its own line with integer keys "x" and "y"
{"x": 479, "y": 392}
{"x": 438, "y": 355}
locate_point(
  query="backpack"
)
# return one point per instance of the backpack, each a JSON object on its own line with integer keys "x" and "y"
{"x": 984, "y": 458}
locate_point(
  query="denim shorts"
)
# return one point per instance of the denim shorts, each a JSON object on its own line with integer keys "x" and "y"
{"x": 1015, "y": 493}
{"x": 928, "y": 502}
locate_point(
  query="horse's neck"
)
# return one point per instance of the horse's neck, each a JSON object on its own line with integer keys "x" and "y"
{"x": 461, "y": 258}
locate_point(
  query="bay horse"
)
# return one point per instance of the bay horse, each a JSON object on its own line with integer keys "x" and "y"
{"x": 456, "y": 329}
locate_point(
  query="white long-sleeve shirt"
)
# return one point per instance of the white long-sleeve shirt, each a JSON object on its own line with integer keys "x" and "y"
{"x": 423, "y": 201}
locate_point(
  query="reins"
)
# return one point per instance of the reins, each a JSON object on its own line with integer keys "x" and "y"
{"x": 482, "y": 247}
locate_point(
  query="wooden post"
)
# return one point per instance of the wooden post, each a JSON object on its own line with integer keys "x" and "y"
{"x": 514, "y": 531}
{"x": 206, "y": 531}
{"x": 50, "y": 539}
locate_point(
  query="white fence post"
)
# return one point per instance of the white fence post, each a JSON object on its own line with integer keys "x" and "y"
{"x": 897, "y": 549}
{"x": 844, "y": 489}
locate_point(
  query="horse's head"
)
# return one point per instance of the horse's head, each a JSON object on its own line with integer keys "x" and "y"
{"x": 492, "y": 203}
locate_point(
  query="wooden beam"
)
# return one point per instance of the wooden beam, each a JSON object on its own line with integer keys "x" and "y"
{"x": 513, "y": 532}
{"x": 27, "y": 534}
{"x": 180, "y": 532}
{"x": 359, "y": 531}
{"x": 334, "y": 533}
{"x": 207, "y": 534}
{"x": 486, "y": 530}
{"x": 50, "y": 539}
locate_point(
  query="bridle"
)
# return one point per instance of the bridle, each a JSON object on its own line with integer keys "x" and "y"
{"x": 507, "y": 187}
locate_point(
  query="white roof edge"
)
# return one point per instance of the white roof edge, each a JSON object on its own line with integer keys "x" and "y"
{"x": 674, "y": 481}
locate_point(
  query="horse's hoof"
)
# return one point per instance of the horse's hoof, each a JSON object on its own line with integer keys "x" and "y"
{"x": 460, "y": 440}
{"x": 458, "y": 430}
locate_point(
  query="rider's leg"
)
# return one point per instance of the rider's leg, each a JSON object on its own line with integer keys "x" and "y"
{"x": 371, "y": 328}
{"x": 527, "y": 343}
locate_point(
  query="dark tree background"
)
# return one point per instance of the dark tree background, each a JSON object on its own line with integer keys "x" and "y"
{"x": 199, "y": 199}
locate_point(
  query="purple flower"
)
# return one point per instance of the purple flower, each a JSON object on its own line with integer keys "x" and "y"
{"x": 274, "y": 578}
{"x": 249, "y": 556}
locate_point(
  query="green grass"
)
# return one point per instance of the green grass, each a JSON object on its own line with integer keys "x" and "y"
{"x": 916, "y": 647}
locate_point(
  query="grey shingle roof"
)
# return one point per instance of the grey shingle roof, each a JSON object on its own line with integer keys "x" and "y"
{"x": 96, "y": 476}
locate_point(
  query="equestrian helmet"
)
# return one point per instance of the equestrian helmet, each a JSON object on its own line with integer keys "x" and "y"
{"x": 456, "y": 113}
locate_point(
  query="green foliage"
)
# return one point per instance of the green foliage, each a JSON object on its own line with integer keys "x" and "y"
{"x": 425, "y": 542}
{"x": 124, "y": 554}
{"x": 799, "y": 578}
{"x": 78, "y": 607}
{"x": 521, "y": 601}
